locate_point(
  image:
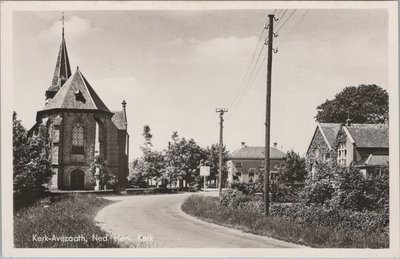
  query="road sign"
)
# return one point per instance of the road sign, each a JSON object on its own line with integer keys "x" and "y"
{"x": 204, "y": 170}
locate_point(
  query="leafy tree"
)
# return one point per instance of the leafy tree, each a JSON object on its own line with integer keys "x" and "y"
{"x": 136, "y": 173}
{"x": 183, "y": 159}
{"x": 147, "y": 136}
{"x": 292, "y": 169}
{"x": 212, "y": 160}
{"x": 105, "y": 177}
{"x": 151, "y": 164}
{"x": 362, "y": 104}
{"x": 32, "y": 167}
{"x": 320, "y": 187}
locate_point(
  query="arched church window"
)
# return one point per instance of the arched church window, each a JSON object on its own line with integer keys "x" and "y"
{"x": 77, "y": 138}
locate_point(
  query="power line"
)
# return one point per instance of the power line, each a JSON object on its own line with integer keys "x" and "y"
{"x": 294, "y": 27}
{"x": 248, "y": 85}
{"x": 286, "y": 21}
{"x": 248, "y": 69}
{"x": 243, "y": 84}
{"x": 280, "y": 18}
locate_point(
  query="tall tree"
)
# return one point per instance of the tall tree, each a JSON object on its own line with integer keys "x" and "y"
{"x": 31, "y": 162}
{"x": 362, "y": 104}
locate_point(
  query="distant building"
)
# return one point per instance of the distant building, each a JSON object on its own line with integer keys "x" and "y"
{"x": 81, "y": 127}
{"x": 246, "y": 163}
{"x": 366, "y": 146}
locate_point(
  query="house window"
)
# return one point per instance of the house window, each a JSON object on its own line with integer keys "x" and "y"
{"x": 325, "y": 156}
{"x": 238, "y": 164}
{"x": 342, "y": 154}
{"x": 77, "y": 138}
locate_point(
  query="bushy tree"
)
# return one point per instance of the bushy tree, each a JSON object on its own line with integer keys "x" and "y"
{"x": 212, "y": 160}
{"x": 347, "y": 188}
{"x": 319, "y": 187}
{"x": 31, "y": 162}
{"x": 292, "y": 169}
{"x": 362, "y": 104}
{"x": 105, "y": 176}
{"x": 183, "y": 159}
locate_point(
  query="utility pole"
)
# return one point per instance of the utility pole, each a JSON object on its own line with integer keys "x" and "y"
{"x": 221, "y": 112}
{"x": 268, "y": 114}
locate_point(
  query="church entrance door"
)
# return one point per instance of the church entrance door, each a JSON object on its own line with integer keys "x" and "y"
{"x": 77, "y": 180}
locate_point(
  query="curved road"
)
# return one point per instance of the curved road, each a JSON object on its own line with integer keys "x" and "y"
{"x": 161, "y": 217}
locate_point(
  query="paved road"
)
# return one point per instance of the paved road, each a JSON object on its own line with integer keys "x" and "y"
{"x": 161, "y": 217}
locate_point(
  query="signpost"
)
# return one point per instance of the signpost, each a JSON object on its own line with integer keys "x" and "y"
{"x": 204, "y": 171}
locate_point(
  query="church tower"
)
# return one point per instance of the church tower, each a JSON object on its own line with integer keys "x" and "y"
{"x": 62, "y": 71}
{"x": 81, "y": 128}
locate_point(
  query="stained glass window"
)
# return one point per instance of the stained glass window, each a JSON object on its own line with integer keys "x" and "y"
{"x": 77, "y": 139}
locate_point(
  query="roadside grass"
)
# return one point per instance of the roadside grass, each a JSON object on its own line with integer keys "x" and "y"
{"x": 282, "y": 228}
{"x": 70, "y": 219}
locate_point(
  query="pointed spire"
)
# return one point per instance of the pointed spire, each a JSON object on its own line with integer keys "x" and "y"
{"x": 62, "y": 24}
{"x": 63, "y": 70}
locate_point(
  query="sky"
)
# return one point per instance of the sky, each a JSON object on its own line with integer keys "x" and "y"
{"x": 174, "y": 68}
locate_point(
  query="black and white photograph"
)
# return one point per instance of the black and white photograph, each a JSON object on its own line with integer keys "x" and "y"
{"x": 198, "y": 129}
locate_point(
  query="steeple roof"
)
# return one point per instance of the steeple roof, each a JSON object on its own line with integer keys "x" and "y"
{"x": 62, "y": 71}
{"x": 76, "y": 94}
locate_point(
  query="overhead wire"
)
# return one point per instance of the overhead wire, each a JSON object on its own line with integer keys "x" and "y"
{"x": 252, "y": 78}
{"x": 243, "y": 84}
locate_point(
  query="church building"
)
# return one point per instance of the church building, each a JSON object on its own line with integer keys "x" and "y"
{"x": 81, "y": 127}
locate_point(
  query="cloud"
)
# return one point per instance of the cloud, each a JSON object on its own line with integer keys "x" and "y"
{"x": 75, "y": 26}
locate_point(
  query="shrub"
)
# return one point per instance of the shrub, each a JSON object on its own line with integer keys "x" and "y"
{"x": 285, "y": 223}
{"x": 324, "y": 216}
{"x": 347, "y": 188}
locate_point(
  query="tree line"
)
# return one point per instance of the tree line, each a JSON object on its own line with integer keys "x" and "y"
{"x": 178, "y": 163}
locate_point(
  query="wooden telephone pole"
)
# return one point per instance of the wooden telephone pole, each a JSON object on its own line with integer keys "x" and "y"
{"x": 221, "y": 112}
{"x": 268, "y": 114}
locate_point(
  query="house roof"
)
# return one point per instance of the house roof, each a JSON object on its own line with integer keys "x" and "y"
{"x": 119, "y": 119}
{"x": 329, "y": 131}
{"x": 370, "y": 135}
{"x": 62, "y": 71}
{"x": 76, "y": 93}
{"x": 373, "y": 160}
{"x": 256, "y": 153}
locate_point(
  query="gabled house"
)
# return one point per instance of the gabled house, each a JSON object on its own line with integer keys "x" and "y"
{"x": 365, "y": 146}
{"x": 323, "y": 142}
{"x": 246, "y": 163}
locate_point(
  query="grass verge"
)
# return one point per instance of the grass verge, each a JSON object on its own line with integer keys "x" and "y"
{"x": 282, "y": 228}
{"x": 66, "y": 223}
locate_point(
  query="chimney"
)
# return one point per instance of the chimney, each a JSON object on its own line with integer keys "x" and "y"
{"x": 348, "y": 122}
{"x": 243, "y": 144}
{"x": 275, "y": 144}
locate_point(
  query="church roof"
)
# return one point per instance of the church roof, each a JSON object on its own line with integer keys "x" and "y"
{"x": 62, "y": 71}
{"x": 119, "y": 119}
{"x": 76, "y": 93}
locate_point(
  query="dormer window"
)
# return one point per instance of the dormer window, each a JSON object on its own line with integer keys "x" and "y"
{"x": 79, "y": 96}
